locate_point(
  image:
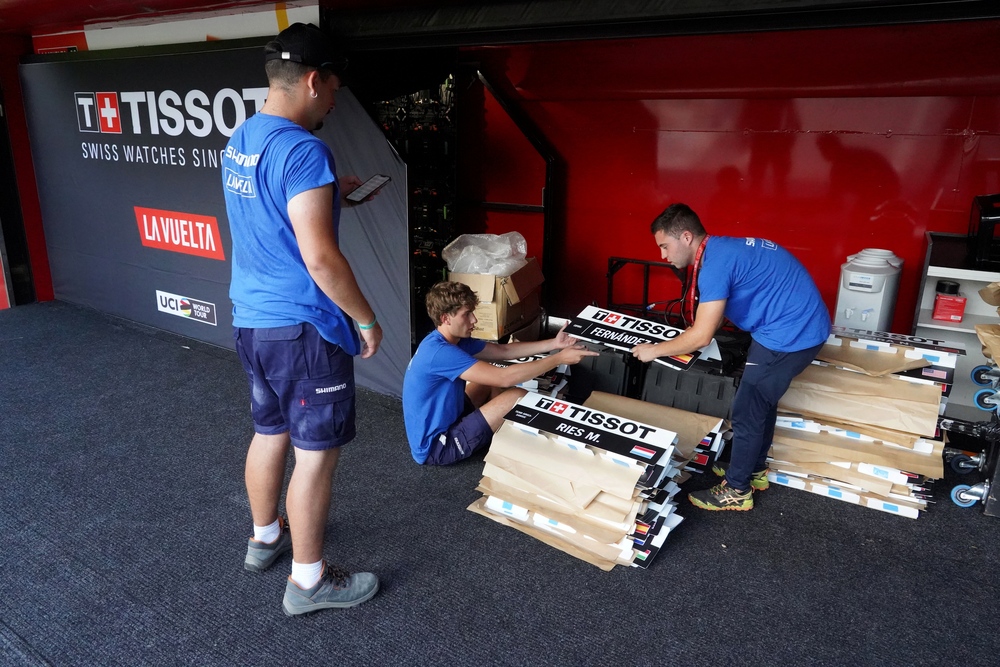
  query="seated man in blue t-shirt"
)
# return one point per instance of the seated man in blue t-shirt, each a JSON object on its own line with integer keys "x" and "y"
{"x": 453, "y": 399}
{"x": 764, "y": 290}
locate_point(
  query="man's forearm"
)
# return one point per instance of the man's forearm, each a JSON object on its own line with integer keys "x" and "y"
{"x": 517, "y": 373}
{"x": 688, "y": 341}
{"x": 335, "y": 277}
{"x": 528, "y": 348}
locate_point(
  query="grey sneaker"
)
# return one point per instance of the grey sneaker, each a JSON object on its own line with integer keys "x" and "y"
{"x": 336, "y": 589}
{"x": 261, "y": 555}
{"x": 722, "y": 497}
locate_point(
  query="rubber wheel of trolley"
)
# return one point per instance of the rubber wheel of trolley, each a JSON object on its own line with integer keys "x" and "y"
{"x": 982, "y": 396}
{"x": 980, "y": 375}
{"x": 962, "y": 464}
{"x": 958, "y": 496}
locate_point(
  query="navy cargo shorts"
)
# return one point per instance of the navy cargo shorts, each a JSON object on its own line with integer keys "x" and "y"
{"x": 299, "y": 383}
{"x": 470, "y": 433}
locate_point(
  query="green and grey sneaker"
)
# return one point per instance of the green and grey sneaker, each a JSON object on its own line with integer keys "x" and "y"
{"x": 336, "y": 589}
{"x": 758, "y": 480}
{"x": 261, "y": 555}
{"x": 723, "y": 497}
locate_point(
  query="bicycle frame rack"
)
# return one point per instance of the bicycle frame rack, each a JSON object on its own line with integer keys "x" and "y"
{"x": 615, "y": 264}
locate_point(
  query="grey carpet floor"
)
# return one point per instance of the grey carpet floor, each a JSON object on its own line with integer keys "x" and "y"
{"x": 123, "y": 524}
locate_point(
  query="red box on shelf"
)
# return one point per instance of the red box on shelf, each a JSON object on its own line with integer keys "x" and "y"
{"x": 948, "y": 307}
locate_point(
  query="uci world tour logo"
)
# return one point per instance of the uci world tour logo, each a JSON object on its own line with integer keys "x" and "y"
{"x": 182, "y": 306}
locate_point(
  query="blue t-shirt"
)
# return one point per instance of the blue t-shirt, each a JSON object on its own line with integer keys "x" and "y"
{"x": 433, "y": 392}
{"x": 767, "y": 291}
{"x": 268, "y": 161}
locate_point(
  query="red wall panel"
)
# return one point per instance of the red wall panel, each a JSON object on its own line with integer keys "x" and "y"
{"x": 826, "y": 142}
{"x": 499, "y": 166}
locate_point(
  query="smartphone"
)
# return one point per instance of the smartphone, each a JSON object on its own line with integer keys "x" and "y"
{"x": 368, "y": 188}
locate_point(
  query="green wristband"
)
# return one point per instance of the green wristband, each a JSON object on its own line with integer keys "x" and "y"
{"x": 370, "y": 325}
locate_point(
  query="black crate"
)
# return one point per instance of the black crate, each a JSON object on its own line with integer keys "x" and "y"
{"x": 689, "y": 390}
{"x": 611, "y": 372}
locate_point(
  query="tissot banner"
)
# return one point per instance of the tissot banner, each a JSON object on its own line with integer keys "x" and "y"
{"x": 127, "y": 154}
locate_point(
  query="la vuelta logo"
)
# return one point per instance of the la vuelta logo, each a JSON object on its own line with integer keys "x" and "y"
{"x": 187, "y": 233}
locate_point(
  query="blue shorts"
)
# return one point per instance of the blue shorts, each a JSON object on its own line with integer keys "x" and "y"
{"x": 462, "y": 439}
{"x": 299, "y": 383}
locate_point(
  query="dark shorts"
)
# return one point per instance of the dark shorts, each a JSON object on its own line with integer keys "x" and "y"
{"x": 462, "y": 439}
{"x": 299, "y": 383}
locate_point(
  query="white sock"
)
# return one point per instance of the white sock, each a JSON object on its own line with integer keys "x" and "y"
{"x": 306, "y": 574}
{"x": 267, "y": 534}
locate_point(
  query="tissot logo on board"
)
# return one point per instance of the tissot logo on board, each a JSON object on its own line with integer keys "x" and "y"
{"x": 183, "y": 306}
{"x": 557, "y": 407}
{"x": 620, "y": 321}
{"x": 187, "y": 233}
{"x": 167, "y": 111}
{"x": 98, "y": 112}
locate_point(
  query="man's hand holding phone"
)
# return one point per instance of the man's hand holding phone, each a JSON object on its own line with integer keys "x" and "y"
{"x": 357, "y": 192}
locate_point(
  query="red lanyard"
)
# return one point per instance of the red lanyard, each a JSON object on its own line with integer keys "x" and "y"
{"x": 691, "y": 294}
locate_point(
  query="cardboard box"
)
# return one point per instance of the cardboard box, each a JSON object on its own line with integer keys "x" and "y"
{"x": 529, "y": 332}
{"x": 506, "y": 303}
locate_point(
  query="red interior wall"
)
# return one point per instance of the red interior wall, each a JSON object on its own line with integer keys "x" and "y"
{"x": 498, "y": 166}
{"x": 826, "y": 142}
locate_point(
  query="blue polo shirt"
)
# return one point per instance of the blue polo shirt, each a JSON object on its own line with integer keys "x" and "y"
{"x": 433, "y": 392}
{"x": 267, "y": 162}
{"x": 768, "y": 292}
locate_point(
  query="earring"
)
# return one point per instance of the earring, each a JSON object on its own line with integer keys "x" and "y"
{"x": 313, "y": 94}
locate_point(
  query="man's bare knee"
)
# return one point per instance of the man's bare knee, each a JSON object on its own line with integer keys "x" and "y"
{"x": 495, "y": 410}
{"x": 313, "y": 463}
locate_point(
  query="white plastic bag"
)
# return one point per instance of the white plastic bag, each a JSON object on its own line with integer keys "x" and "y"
{"x": 498, "y": 255}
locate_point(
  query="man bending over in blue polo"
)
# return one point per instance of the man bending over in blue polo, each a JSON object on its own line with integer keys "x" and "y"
{"x": 453, "y": 399}
{"x": 764, "y": 290}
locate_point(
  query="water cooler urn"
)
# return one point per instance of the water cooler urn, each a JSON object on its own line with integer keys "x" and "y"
{"x": 868, "y": 284}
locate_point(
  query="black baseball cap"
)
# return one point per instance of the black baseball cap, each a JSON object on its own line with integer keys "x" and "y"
{"x": 306, "y": 44}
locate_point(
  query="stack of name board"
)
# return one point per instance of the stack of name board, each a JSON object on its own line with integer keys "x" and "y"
{"x": 860, "y": 423}
{"x": 603, "y": 328}
{"x": 597, "y": 480}
{"x": 551, "y": 384}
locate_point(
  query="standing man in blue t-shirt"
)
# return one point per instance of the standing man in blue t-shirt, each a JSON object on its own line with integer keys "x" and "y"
{"x": 764, "y": 290}
{"x": 453, "y": 399}
{"x": 295, "y": 303}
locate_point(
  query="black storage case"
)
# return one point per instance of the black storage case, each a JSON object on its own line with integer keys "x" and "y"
{"x": 689, "y": 390}
{"x": 613, "y": 372}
